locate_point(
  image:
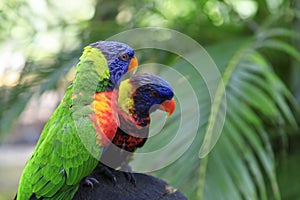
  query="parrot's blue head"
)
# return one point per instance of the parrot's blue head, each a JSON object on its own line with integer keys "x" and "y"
{"x": 120, "y": 59}
{"x": 147, "y": 93}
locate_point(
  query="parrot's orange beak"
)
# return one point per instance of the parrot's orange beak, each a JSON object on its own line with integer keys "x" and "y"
{"x": 168, "y": 106}
{"x": 133, "y": 65}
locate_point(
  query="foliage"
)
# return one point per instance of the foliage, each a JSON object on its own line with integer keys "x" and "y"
{"x": 258, "y": 55}
{"x": 243, "y": 158}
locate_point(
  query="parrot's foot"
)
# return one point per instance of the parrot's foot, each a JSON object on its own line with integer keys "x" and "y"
{"x": 128, "y": 173}
{"x": 130, "y": 177}
{"x": 90, "y": 181}
{"x": 108, "y": 172}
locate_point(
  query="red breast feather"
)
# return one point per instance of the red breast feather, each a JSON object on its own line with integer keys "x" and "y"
{"x": 104, "y": 118}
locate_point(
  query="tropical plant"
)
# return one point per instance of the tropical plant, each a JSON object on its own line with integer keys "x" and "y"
{"x": 260, "y": 109}
{"x": 257, "y": 56}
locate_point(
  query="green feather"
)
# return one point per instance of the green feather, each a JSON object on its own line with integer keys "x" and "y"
{"x": 62, "y": 156}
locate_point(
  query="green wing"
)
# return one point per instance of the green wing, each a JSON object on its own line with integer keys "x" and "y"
{"x": 67, "y": 151}
{"x": 60, "y": 159}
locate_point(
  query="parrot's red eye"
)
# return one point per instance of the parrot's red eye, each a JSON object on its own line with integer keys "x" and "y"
{"x": 154, "y": 94}
{"x": 124, "y": 57}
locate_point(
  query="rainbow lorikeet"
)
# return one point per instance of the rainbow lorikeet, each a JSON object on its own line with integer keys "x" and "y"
{"x": 69, "y": 147}
{"x": 137, "y": 98}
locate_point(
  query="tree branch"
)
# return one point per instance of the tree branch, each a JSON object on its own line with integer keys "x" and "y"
{"x": 147, "y": 187}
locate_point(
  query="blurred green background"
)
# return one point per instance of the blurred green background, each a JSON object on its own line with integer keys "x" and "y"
{"x": 255, "y": 44}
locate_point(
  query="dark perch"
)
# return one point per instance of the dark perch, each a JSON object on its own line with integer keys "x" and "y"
{"x": 147, "y": 187}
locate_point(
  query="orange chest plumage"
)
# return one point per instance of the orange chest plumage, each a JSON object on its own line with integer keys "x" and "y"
{"x": 114, "y": 125}
{"x": 104, "y": 118}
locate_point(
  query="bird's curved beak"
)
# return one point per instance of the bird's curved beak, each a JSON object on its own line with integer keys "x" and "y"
{"x": 168, "y": 106}
{"x": 133, "y": 65}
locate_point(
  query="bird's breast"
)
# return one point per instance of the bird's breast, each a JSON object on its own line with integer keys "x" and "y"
{"x": 104, "y": 117}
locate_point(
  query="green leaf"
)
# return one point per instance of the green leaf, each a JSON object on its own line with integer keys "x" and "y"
{"x": 282, "y": 46}
{"x": 277, "y": 32}
{"x": 242, "y": 163}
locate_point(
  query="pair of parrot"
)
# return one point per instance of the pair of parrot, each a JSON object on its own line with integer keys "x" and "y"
{"x": 97, "y": 125}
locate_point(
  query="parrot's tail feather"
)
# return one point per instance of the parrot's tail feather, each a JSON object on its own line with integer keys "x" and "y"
{"x": 66, "y": 194}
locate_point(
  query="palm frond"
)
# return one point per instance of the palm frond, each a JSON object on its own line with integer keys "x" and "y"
{"x": 259, "y": 106}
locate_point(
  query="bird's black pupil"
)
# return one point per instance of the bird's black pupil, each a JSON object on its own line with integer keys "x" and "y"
{"x": 124, "y": 57}
{"x": 154, "y": 94}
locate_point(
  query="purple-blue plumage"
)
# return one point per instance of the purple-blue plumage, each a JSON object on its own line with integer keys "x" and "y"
{"x": 118, "y": 56}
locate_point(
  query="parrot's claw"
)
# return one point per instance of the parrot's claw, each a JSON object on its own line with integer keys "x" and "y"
{"x": 106, "y": 171}
{"x": 90, "y": 182}
{"x": 128, "y": 173}
{"x": 130, "y": 176}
